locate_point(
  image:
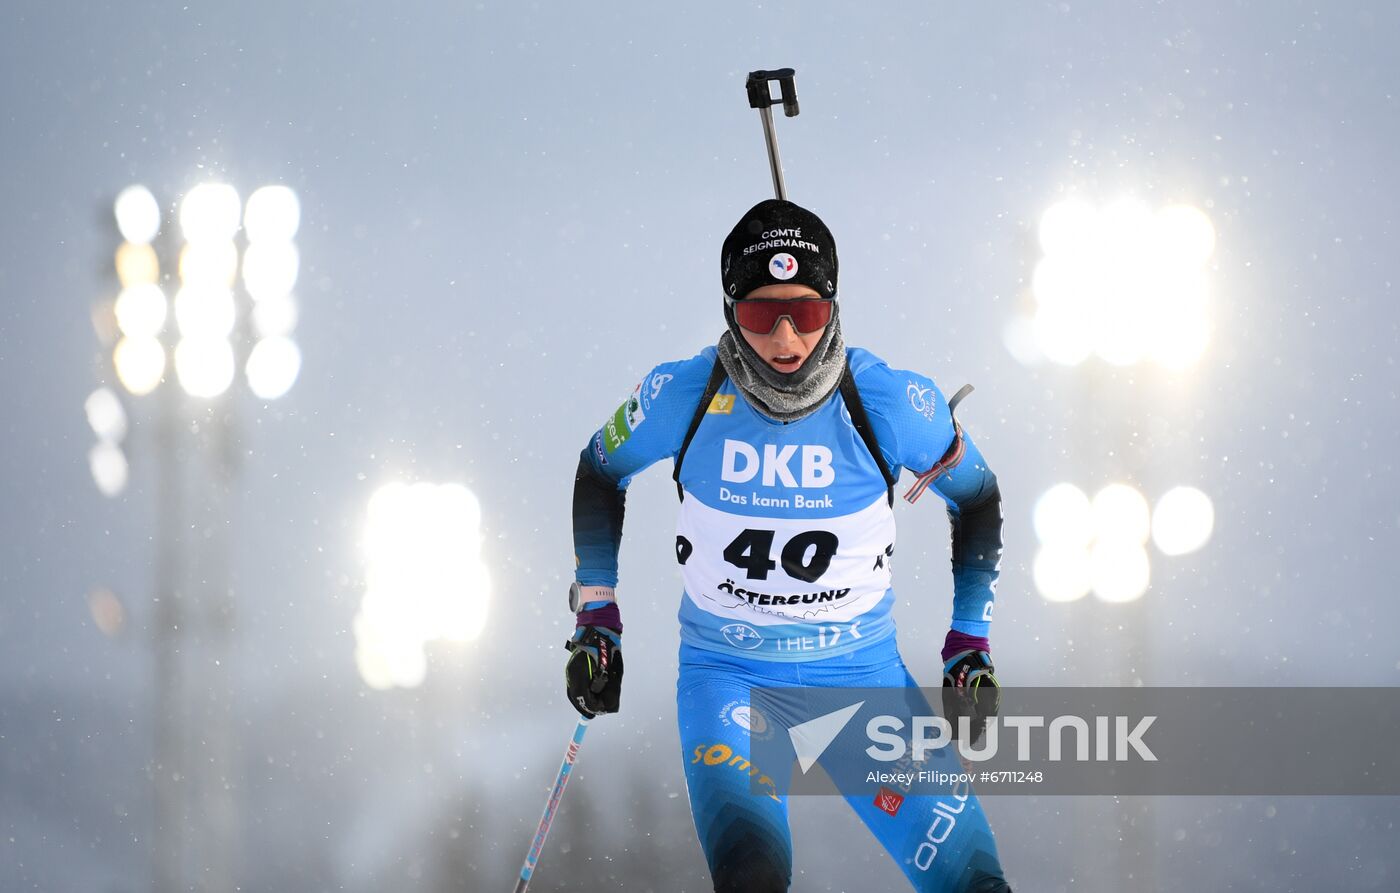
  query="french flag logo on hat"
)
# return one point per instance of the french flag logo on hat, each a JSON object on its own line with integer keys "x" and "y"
{"x": 783, "y": 266}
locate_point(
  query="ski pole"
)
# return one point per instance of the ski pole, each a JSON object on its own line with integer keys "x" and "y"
{"x": 557, "y": 794}
{"x": 761, "y": 98}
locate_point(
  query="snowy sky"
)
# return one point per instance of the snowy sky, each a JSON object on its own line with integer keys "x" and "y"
{"x": 512, "y": 211}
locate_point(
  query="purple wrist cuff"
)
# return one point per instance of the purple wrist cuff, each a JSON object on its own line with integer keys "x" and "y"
{"x": 957, "y": 642}
{"x": 607, "y": 616}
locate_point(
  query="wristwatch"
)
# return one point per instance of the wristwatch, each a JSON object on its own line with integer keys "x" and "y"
{"x": 576, "y": 602}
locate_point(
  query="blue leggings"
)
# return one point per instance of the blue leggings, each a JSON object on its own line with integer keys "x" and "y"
{"x": 745, "y": 835}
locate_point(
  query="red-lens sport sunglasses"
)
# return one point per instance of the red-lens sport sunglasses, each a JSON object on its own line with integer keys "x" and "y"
{"x": 761, "y": 316}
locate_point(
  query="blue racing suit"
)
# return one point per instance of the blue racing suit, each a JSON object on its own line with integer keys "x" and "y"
{"x": 784, "y": 539}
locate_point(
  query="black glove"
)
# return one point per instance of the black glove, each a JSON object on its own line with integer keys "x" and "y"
{"x": 593, "y": 672}
{"x": 970, "y": 689}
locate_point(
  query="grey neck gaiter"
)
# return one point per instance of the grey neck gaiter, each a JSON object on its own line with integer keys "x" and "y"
{"x": 785, "y": 396}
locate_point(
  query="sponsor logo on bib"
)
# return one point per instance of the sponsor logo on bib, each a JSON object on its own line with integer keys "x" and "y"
{"x": 743, "y": 462}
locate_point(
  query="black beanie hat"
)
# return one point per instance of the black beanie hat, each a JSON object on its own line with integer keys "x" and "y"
{"x": 778, "y": 242}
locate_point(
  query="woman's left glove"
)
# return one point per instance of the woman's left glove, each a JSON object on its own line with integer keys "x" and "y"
{"x": 970, "y": 686}
{"x": 593, "y": 672}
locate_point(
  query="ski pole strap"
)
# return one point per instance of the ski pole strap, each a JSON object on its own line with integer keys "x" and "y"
{"x": 712, "y": 386}
{"x": 951, "y": 457}
{"x": 861, "y": 421}
{"x": 552, "y": 804}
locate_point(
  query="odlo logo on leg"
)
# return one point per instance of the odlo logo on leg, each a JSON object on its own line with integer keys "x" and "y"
{"x": 945, "y": 818}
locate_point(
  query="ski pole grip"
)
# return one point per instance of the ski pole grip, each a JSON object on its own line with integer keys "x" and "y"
{"x": 761, "y": 97}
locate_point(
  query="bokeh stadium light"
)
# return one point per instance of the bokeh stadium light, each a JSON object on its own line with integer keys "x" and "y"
{"x": 270, "y": 267}
{"x": 206, "y": 309}
{"x": 1127, "y": 284}
{"x": 207, "y": 337}
{"x": 1183, "y": 521}
{"x": 1119, "y": 281}
{"x": 138, "y": 215}
{"x": 107, "y": 418}
{"x": 1099, "y": 545}
{"x": 425, "y": 580}
{"x": 140, "y": 308}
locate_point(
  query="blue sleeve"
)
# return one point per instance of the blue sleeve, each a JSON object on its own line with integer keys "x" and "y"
{"x": 648, "y": 426}
{"x": 915, "y": 430}
{"x": 974, "y": 510}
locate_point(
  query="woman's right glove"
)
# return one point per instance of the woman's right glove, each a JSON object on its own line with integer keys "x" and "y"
{"x": 593, "y": 672}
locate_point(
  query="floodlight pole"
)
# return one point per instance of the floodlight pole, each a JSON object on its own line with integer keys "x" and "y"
{"x": 195, "y": 811}
{"x": 170, "y": 768}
